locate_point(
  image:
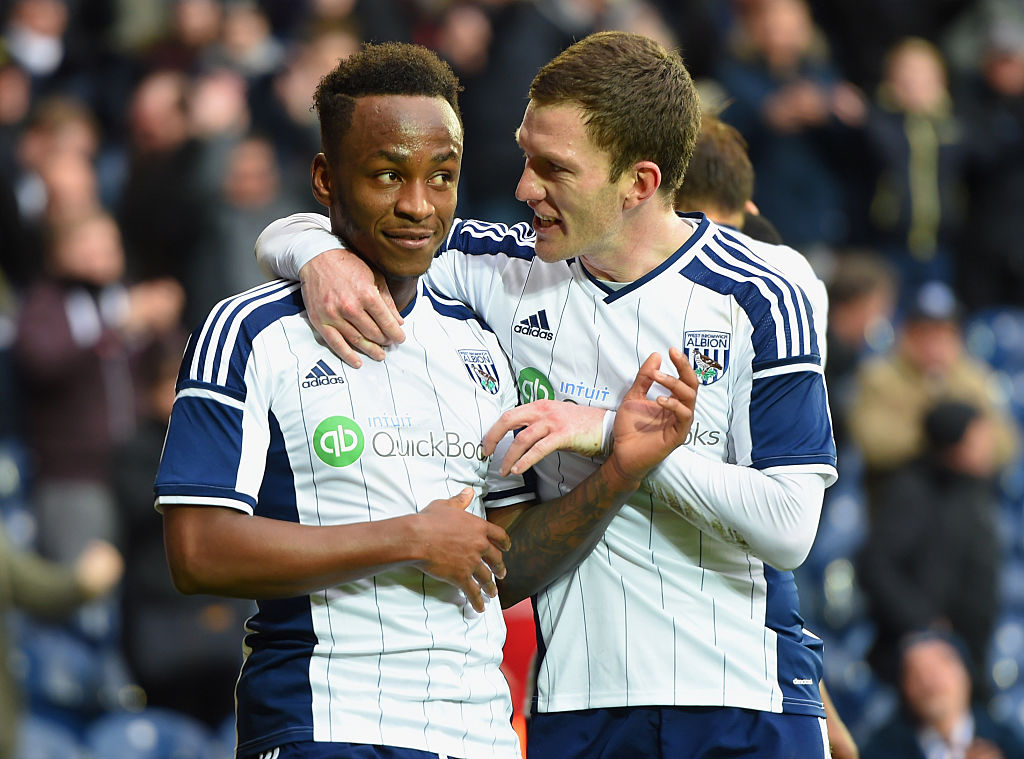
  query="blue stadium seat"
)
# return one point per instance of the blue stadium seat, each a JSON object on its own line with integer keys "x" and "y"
{"x": 150, "y": 734}
{"x": 1008, "y": 708}
{"x": 996, "y": 335}
{"x": 58, "y": 668}
{"x": 1011, "y": 584}
{"x": 40, "y": 738}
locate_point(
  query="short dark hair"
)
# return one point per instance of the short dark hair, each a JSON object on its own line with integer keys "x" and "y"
{"x": 720, "y": 175}
{"x": 859, "y": 272}
{"x": 388, "y": 68}
{"x": 638, "y": 100}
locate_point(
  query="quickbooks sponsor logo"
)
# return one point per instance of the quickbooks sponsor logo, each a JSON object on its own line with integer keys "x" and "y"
{"x": 338, "y": 441}
{"x": 448, "y": 445}
{"x": 534, "y": 386}
{"x": 535, "y": 326}
{"x": 702, "y": 436}
{"x": 322, "y": 374}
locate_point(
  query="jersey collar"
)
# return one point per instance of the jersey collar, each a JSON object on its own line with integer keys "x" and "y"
{"x": 702, "y": 225}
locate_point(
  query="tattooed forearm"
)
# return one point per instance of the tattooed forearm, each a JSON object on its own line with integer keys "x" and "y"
{"x": 552, "y": 538}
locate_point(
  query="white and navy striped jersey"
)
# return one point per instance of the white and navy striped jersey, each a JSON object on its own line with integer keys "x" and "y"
{"x": 267, "y": 420}
{"x": 662, "y": 613}
{"x": 797, "y": 269}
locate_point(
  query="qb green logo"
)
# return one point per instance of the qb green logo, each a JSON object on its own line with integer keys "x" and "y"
{"x": 338, "y": 441}
{"x": 534, "y": 386}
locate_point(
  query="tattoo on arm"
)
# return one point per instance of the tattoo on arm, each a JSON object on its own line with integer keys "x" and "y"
{"x": 552, "y": 538}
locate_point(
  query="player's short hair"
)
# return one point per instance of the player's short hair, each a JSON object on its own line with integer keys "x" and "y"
{"x": 388, "y": 68}
{"x": 638, "y": 99}
{"x": 720, "y": 175}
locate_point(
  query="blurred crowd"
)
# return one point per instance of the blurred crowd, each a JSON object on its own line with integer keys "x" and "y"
{"x": 144, "y": 144}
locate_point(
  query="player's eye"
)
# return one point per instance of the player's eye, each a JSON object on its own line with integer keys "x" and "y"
{"x": 388, "y": 177}
{"x": 441, "y": 180}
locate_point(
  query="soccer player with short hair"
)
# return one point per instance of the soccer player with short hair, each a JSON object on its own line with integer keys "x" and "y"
{"x": 289, "y": 478}
{"x": 679, "y": 633}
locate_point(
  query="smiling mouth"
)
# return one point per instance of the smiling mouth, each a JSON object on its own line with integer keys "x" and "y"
{"x": 544, "y": 222}
{"x": 410, "y": 238}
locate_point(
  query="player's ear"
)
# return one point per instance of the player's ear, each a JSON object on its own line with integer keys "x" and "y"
{"x": 321, "y": 180}
{"x": 642, "y": 181}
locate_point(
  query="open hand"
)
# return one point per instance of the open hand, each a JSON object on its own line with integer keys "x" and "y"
{"x": 647, "y": 430}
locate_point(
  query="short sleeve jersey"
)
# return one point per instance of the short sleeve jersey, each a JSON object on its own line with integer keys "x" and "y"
{"x": 661, "y": 613}
{"x": 268, "y": 421}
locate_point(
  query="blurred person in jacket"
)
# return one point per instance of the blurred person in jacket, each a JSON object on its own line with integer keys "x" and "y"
{"x": 78, "y": 328}
{"x": 931, "y": 559}
{"x": 928, "y": 363}
{"x": 43, "y": 588}
{"x": 937, "y": 718}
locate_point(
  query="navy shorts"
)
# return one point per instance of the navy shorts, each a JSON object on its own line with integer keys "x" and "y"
{"x": 675, "y": 732}
{"x": 327, "y": 750}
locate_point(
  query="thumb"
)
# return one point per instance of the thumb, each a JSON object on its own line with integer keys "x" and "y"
{"x": 463, "y": 498}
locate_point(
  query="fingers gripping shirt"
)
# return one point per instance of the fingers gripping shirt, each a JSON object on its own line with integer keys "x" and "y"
{"x": 268, "y": 421}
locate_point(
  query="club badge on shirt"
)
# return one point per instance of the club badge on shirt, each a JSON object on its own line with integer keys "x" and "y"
{"x": 708, "y": 352}
{"x": 481, "y": 368}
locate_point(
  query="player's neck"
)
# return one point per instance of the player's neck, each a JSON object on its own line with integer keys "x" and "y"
{"x": 732, "y": 219}
{"x": 403, "y": 291}
{"x": 645, "y": 243}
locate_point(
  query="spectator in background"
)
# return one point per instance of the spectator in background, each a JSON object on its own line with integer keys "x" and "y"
{"x": 861, "y": 303}
{"x": 218, "y": 119}
{"x": 44, "y": 37}
{"x": 937, "y": 718}
{"x": 931, "y": 558}
{"x": 928, "y": 363}
{"x": 164, "y": 205}
{"x": 183, "y": 651}
{"x": 194, "y": 27}
{"x": 990, "y": 260}
{"x": 525, "y": 37}
{"x": 15, "y": 101}
{"x": 251, "y": 196}
{"x": 795, "y": 110}
{"x": 77, "y": 330}
{"x": 280, "y": 101}
{"x": 60, "y": 141}
{"x": 862, "y": 30}
{"x": 32, "y": 584}
{"x": 246, "y": 44}
{"x": 918, "y": 153}
{"x": 34, "y": 37}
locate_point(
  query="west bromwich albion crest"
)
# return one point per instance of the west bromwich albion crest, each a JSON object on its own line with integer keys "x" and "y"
{"x": 481, "y": 368}
{"x": 708, "y": 353}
